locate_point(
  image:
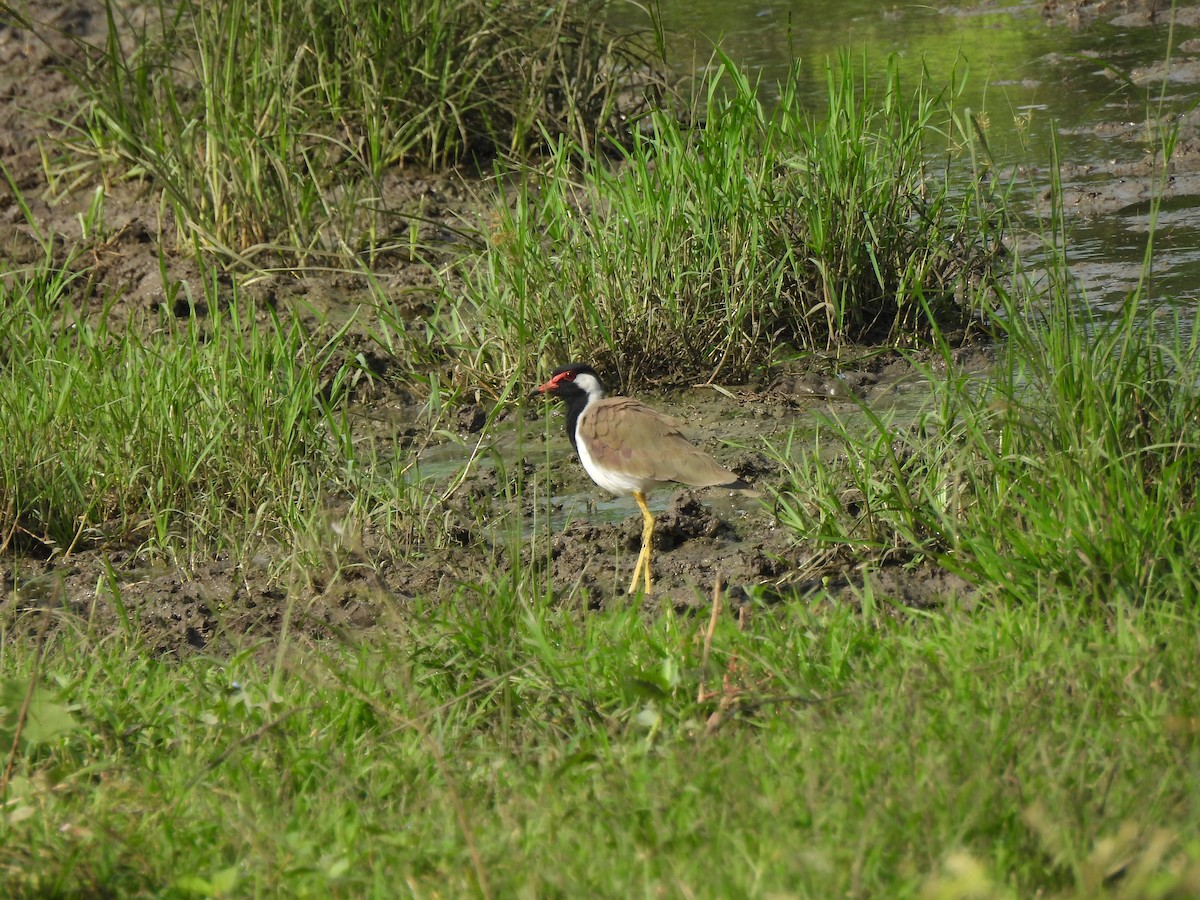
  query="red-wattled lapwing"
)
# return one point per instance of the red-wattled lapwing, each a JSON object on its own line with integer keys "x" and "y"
{"x": 628, "y": 448}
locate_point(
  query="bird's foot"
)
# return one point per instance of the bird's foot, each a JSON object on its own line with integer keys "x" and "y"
{"x": 641, "y": 572}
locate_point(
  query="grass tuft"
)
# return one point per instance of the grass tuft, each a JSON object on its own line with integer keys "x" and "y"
{"x": 1068, "y": 471}
{"x": 269, "y": 126}
{"x": 216, "y": 430}
{"x": 711, "y": 249}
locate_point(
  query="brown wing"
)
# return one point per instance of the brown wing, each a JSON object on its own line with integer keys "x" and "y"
{"x": 630, "y": 437}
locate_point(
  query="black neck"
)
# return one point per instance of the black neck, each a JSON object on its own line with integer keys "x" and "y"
{"x": 576, "y": 402}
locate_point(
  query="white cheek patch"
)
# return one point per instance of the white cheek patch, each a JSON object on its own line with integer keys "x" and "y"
{"x": 590, "y": 385}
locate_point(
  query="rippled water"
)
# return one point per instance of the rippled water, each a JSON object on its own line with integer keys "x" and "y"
{"x": 1086, "y": 88}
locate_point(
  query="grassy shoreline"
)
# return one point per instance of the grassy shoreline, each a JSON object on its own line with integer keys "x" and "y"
{"x": 1040, "y": 737}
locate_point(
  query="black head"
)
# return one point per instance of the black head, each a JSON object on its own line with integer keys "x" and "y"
{"x": 573, "y": 382}
{"x": 577, "y": 386}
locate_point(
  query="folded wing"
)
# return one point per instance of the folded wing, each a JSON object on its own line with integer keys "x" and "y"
{"x": 626, "y": 435}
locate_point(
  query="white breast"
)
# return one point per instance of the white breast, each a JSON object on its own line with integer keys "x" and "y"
{"x": 612, "y": 481}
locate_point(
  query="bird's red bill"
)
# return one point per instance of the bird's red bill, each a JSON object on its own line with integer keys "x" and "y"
{"x": 556, "y": 381}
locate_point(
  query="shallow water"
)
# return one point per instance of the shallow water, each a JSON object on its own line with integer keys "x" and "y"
{"x": 1044, "y": 86}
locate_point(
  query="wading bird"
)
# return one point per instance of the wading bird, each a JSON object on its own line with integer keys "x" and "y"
{"x": 628, "y": 448}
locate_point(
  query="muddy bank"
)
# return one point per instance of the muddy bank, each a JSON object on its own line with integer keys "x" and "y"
{"x": 548, "y": 521}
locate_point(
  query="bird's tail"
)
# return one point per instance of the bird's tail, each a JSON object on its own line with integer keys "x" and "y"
{"x": 744, "y": 486}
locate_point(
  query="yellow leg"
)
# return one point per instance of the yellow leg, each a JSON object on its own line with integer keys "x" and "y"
{"x": 643, "y": 560}
{"x": 637, "y": 571}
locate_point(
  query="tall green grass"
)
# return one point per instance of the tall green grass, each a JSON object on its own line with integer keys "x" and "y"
{"x": 711, "y": 249}
{"x": 191, "y": 434}
{"x": 269, "y": 126}
{"x": 231, "y": 430}
{"x": 1067, "y": 472}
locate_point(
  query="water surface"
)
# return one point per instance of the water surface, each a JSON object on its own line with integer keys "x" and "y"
{"x": 1085, "y": 94}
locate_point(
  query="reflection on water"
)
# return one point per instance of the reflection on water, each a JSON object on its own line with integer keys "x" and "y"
{"x": 1037, "y": 83}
